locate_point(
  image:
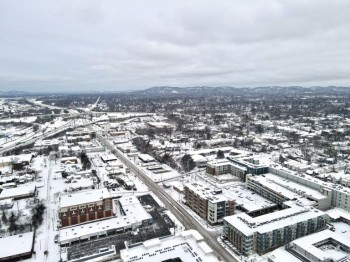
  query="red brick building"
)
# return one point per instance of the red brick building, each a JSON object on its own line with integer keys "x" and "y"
{"x": 85, "y": 206}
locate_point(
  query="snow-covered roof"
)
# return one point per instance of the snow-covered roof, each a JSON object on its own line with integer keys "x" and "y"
{"x": 16, "y": 244}
{"x": 199, "y": 158}
{"x": 19, "y": 158}
{"x": 247, "y": 199}
{"x": 308, "y": 243}
{"x": 84, "y": 197}
{"x": 17, "y": 192}
{"x": 337, "y": 213}
{"x": 187, "y": 249}
{"x": 83, "y": 231}
{"x": 133, "y": 209}
{"x": 109, "y": 157}
{"x": 265, "y": 223}
{"x": 192, "y": 234}
{"x": 286, "y": 187}
{"x": 281, "y": 254}
{"x": 207, "y": 192}
{"x": 146, "y": 158}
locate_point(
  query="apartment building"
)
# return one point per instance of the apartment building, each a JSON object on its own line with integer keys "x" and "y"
{"x": 224, "y": 166}
{"x": 340, "y": 195}
{"x": 252, "y": 164}
{"x": 324, "y": 246}
{"x": 238, "y": 165}
{"x": 264, "y": 233}
{"x": 278, "y": 190}
{"x": 85, "y": 206}
{"x": 208, "y": 202}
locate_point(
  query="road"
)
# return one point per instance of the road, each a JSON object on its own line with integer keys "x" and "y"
{"x": 28, "y": 141}
{"x": 33, "y": 139}
{"x": 48, "y": 209}
{"x": 180, "y": 213}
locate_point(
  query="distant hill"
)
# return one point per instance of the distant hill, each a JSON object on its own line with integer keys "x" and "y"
{"x": 173, "y": 91}
{"x": 228, "y": 90}
{"x": 14, "y": 93}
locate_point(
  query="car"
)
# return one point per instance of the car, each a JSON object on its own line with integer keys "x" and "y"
{"x": 56, "y": 238}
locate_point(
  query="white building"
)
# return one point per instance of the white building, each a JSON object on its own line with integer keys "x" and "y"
{"x": 189, "y": 246}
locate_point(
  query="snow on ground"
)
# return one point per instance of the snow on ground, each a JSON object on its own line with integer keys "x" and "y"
{"x": 27, "y": 119}
{"x": 53, "y": 185}
{"x": 46, "y": 232}
{"x": 170, "y": 174}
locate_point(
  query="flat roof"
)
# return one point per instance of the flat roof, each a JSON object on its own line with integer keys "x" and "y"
{"x": 247, "y": 199}
{"x": 187, "y": 249}
{"x": 337, "y": 213}
{"x": 133, "y": 209}
{"x": 16, "y": 244}
{"x": 74, "y": 233}
{"x": 206, "y": 192}
{"x": 192, "y": 233}
{"x": 265, "y": 223}
{"x": 84, "y": 197}
{"x": 198, "y": 158}
{"x": 281, "y": 254}
{"x": 286, "y": 187}
{"x": 109, "y": 157}
{"x": 308, "y": 243}
{"x": 19, "y": 191}
{"x": 146, "y": 157}
{"x": 21, "y": 158}
{"x": 311, "y": 179}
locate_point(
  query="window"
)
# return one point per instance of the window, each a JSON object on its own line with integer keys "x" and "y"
{"x": 64, "y": 214}
{"x": 108, "y": 204}
{"x": 91, "y": 205}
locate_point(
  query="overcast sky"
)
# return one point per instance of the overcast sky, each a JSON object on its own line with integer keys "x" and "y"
{"x": 87, "y": 45}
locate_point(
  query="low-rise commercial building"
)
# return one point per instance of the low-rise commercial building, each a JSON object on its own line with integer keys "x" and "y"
{"x": 189, "y": 246}
{"x": 85, "y": 206}
{"x": 17, "y": 247}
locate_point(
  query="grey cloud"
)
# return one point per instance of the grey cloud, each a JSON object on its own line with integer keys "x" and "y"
{"x": 114, "y": 44}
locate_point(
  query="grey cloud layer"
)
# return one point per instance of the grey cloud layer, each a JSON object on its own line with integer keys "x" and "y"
{"x": 119, "y": 45}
